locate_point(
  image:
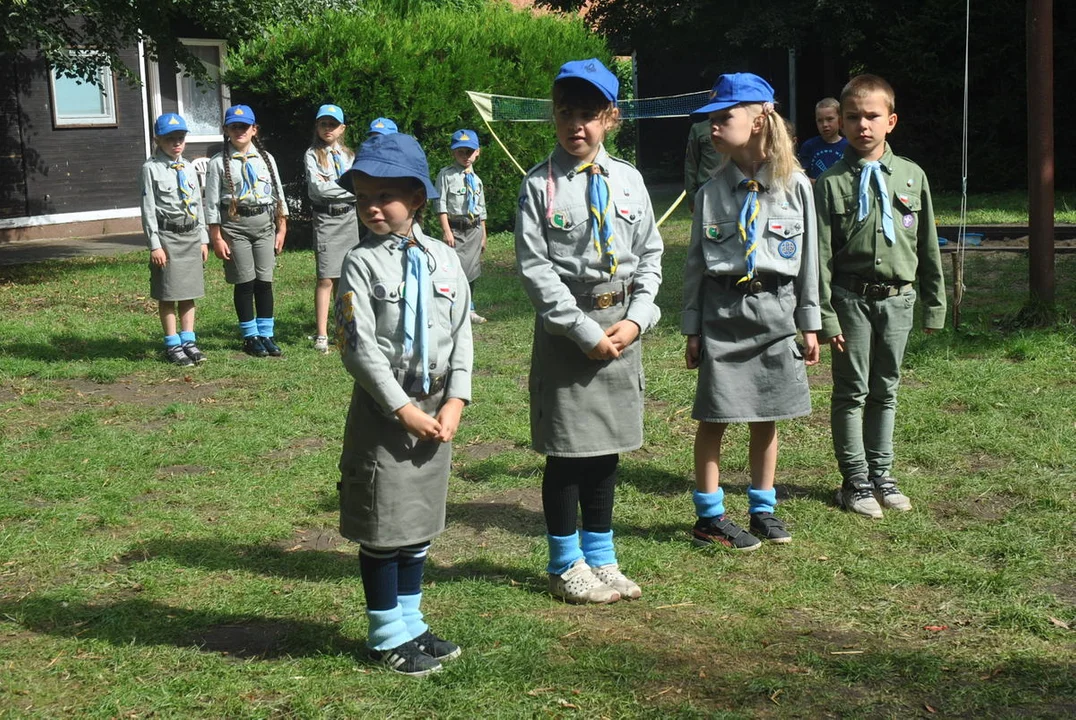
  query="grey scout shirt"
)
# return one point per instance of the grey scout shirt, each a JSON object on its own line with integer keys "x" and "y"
{"x": 852, "y": 248}
{"x": 453, "y": 188}
{"x": 162, "y": 200}
{"x": 555, "y": 250}
{"x": 321, "y": 180}
{"x": 370, "y": 316}
{"x": 217, "y": 195}
{"x": 788, "y": 241}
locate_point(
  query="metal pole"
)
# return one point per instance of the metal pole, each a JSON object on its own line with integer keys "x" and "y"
{"x": 792, "y": 86}
{"x": 1040, "y": 149}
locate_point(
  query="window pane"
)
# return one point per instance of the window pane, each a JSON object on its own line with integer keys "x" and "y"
{"x": 79, "y": 98}
{"x": 201, "y": 105}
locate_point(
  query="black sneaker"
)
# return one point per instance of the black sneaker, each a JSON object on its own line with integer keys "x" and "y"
{"x": 271, "y": 347}
{"x": 176, "y": 356}
{"x": 253, "y": 346}
{"x": 720, "y": 531}
{"x": 768, "y": 527}
{"x": 407, "y": 659}
{"x": 437, "y": 648}
{"x": 194, "y": 353}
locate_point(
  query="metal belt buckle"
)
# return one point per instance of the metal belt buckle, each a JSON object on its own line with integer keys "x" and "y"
{"x": 754, "y": 287}
{"x": 603, "y": 301}
{"x": 877, "y": 291}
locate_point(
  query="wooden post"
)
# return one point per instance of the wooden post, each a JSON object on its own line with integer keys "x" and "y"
{"x": 1040, "y": 150}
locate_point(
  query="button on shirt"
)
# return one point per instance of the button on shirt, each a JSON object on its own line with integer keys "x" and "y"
{"x": 321, "y": 184}
{"x": 853, "y": 248}
{"x": 163, "y": 200}
{"x": 453, "y": 188}
{"x": 216, "y": 194}
{"x": 370, "y": 315}
{"x": 555, "y": 249}
{"x": 787, "y": 241}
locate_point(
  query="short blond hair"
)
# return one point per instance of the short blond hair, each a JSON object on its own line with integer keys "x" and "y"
{"x": 829, "y": 102}
{"x": 862, "y": 85}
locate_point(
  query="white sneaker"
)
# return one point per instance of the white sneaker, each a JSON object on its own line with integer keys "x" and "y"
{"x": 476, "y": 319}
{"x": 321, "y": 343}
{"x": 892, "y": 497}
{"x": 579, "y": 585}
{"x": 611, "y": 576}
{"x": 857, "y": 495}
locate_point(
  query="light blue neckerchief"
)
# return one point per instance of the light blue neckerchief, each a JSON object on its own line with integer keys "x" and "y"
{"x": 249, "y": 186}
{"x": 748, "y": 227}
{"x": 601, "y": 225}
{"x": 472, "y": 193}
{"x": 416, "y": 303}
{"x": 184, "y": 188}
{"x": 874, "y": 169}
{"x": 336, "y": 162}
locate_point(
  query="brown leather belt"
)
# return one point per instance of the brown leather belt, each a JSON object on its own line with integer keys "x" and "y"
{"x": 873, "y": 290}
{"x": 461, "y": 223}
{"x": 412, "y": 383}
{"x": 248, "y": 210}
{"x": 333, "y": 210}
{"x": 602, "y": 301}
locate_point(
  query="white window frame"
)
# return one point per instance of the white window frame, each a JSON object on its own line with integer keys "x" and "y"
{"x": 108, "y": 89}
{"x": 225, "y": 92}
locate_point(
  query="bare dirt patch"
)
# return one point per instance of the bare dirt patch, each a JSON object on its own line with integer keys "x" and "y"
{"x": 990, "y": 508}
{"x": 298, "y": 446}
{"x": 981, "y": 462}
{"x": 478, "y": 449}
{"x": 134, "y": 390}
{"x": 1064, "y": 590}
{"x": 819, "y": 379}
{"x": 305, "y": 539}
{"x": 171, "y": 471}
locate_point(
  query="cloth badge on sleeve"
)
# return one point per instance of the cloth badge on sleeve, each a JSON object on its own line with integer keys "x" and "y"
{"x": 380, "y": 291}
{"x": 787, "y": 249}
{"x": 347, "y": 334}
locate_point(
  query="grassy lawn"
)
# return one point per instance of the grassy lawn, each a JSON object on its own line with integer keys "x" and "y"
{"x": 168, "y": 542}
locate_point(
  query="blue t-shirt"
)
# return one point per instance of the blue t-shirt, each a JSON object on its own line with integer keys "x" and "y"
{"x": 816, "y": 155}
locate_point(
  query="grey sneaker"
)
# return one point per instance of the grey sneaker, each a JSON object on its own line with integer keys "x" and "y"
{"x": 857, "y": 495}
{"x": 611, "y": 576}
{"x": 579, "y": 585}
{"x": 767, "y": 526}
{"x": 321, "y": 343}
{"x": 892, "y": 497}
{"x": 407, "y": 659}
{"x": 176, "y": 356}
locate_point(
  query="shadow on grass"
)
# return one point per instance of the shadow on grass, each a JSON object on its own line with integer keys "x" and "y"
{"x": 483, "y": 570}
{"x": 269, "y": 560}
{"x": 144, "y": 622}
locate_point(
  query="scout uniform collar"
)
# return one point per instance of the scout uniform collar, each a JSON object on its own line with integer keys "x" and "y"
{"x": 393, "y": 242}
{"x": 856, "y": 163}
{"x": 162, "y": 156}
{"x": 764, "y": 176}
{"x": 567, "y": 163}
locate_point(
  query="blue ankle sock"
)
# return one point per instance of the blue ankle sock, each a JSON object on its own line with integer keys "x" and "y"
{"x": 387, "y": 629}
{"x": 249, "y": 328}
{"x": 170, "y": 341}
{"x": 563, "y": 552}
{"x": 265, "y": 326}
{"x": 761, "y": 500}
{"x": 187, "y": 336}
{"x": 412, "y": 616}
{"x": 598, "y": 548}
{"x": 709, "y": 505}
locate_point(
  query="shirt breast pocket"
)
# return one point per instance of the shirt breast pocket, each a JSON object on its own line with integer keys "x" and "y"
{"x": 166, "y": 187}
{"x": 784, "y": 242}
{"x": 720, "y": 246}
{"x": 444, "y": 297}
{"x": 568, "y": 232}
{"x": 844, "y": 214}
{"x": 906, "y": 207}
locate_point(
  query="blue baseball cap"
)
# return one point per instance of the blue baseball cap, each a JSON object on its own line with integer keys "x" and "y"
{"x": 332, "y": 111}
{"x": 392, "y": 155}
{"x": 169, "y": 123}
{"x": 239, "y": 114}
{"x": 594, "y": 73}
{"x": 734, "y": 89}
{"x": 383, "y": 126}
{"x": 464, "y": 139}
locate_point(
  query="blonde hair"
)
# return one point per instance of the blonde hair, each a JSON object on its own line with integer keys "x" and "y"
{"x": 829, "y": 102}
{"x": 776, "y": 142}
{"x": 862, "y": 85}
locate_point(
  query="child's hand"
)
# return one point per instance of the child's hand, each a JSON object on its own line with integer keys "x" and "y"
{"x": 449, "y": 417}
{"x": 810, "y": 348}
{"x": 604, "y": 350}
{"x": 623, "y": 334}
{"x": 836, "y": 343}
{"x": 159, "y": 257}
{"x": 691, "y": 352}
{"x": 205, "y": 253}
{"x": 483, "y": 242}
{"x": 278, "y": 244}
{"x": 450, "y": 239}
{"x": 418, "y": 423}
{"x": 221, "y": 249}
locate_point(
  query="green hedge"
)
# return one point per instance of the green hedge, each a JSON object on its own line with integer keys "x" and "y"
{"x": 413, "y": 67}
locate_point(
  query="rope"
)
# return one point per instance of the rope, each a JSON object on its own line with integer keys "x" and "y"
{"x": 683, "y": 194}
{"x": 510, "y": 157}
{"x": 958, "y": 277}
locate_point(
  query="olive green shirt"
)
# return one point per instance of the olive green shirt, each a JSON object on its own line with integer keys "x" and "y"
{"x": 856, "y": 250}
{"x": 700, "y": 160}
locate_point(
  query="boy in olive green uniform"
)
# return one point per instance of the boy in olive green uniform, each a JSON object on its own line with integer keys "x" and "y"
{"x": 876, "y": 236}
{"x": 700, "y": 160}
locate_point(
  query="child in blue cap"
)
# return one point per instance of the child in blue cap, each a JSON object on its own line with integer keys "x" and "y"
{"x": 174, "y": 222}
{"x": 382, "y": 126}
{"x": 405, "y": 336}
{"x": 461, "y": 208}
{"x": 336, "y": 228}
{"x": 247, "y": 219}
{"x": 750, "y": 281}
{"x": 589, "y": 256}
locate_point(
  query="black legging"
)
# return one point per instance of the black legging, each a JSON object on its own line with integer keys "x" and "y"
{"x": 585, "y": 483}
{"x": 250, "y": 294}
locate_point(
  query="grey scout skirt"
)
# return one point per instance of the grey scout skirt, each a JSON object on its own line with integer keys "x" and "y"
{"x": 750, "y": 369}
{"x": 334, "y": 235}
{"x": 393, "y": 487}
{"x": 251, "y": 241}
{"x": 469, "y": 250}
{"x": 182, "y": 277}
{"x": 582, "y": 407}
